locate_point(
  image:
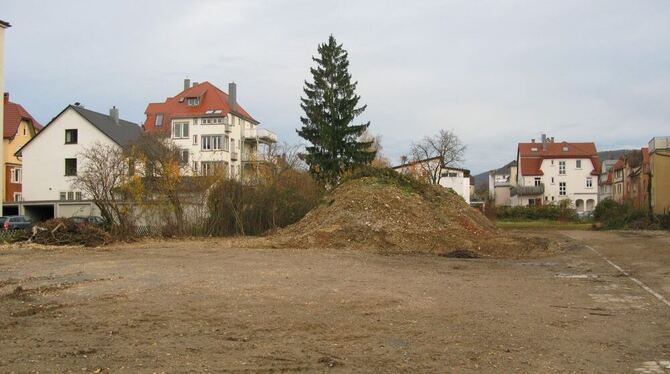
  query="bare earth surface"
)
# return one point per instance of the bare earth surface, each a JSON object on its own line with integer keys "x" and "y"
{"x": 202, "y": 306}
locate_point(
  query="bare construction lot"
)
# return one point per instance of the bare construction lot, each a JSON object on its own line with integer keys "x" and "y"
{"x": 202, "y": 306}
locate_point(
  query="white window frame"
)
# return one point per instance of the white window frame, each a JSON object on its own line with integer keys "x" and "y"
{"x": 159, "y": 120}
{"x": 16, "y": 175}
{"x": 193, "y": 101}
{"x": 18, "y": 196}
{"x": 180, "y": 130}
{"x": 561, "y": 168}
{"x": 589, "y": 182}
{"x": 562, "y": 188}
{"x": 195, "y": 139}
{"x": 537, "y": 181}
{"x": 212, "y": 142}
{"x": 578, "y": 164}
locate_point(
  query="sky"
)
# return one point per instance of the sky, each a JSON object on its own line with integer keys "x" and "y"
{"x": 494, "y": 72}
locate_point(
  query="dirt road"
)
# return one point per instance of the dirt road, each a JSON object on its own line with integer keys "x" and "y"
{"x": 201, "y": 306}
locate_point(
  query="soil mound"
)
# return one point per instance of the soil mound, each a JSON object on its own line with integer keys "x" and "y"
{"x": 391, "y": 212}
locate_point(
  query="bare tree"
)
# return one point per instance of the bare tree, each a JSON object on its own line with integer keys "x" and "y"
{"x": 434, "y": 153}
{"x": 104, "y": 177}
{"x": 375, "y": 146}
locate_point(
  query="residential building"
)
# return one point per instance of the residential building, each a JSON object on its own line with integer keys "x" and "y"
{"x": 605, "y": 180}
{"x": 213, "y": 130}
{"x": 549, "y": 172}
{"x": 18, "y": 128}
{"x": 501, "y": 182}
{"x": 52, "y": 159}
{"x": 659, "y": 171}
{"x": 618, "y": 180}
{"x": 457, "y": 179}
{"x": 3, "y": 25}
{"x": 637, "y": 183}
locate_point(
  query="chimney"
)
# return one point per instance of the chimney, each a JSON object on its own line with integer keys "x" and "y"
{"x": 187, "y": 84}
{"x": 532, "y": 140}
{"x": 232, "y": 96}
{"x": 552, "y": 139}
{"x": 6, "y": 97}
{"x": 544, "y": 142}
{"x": 195, "y": 84}
{"x": 114, "y": 114}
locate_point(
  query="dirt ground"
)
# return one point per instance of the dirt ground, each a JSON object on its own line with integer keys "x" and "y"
{"x": 209, "y": 306}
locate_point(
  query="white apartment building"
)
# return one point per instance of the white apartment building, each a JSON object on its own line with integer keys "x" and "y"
{"x": 212, "y": 129}
{"x": 450, "y": 177}
{"x": 549, "y": 172}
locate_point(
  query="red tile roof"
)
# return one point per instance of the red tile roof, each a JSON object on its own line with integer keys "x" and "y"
{"x": 618, "y": 165}
{"x": 211, "y": 98}
{"x": 14, "y": 114}
{"x": 531, "y": 155}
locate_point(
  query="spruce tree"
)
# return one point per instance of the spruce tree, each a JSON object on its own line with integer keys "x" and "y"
{"x": 330, "y": 106}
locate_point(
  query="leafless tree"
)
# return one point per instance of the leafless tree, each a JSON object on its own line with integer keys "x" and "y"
{"x": 104, "y": 177}
{"x": 434, "y": 153}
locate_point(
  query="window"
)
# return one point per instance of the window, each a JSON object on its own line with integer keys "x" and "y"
{"x": 63, "y": 195}
{"x": 70, "y": 167}
{"x": 589, "y": 182}
{"x": 77, "y": 195}
{"x": 210, "y": 167}
{"x": 192, "y": 101}
{"x": 579, "y": 164}
{"x": 232, "y": 145}
{"x": 561, "y": 167}
{"x": 561, "y": 189}
{"x": 70, "y": 195}
{"x": 195, "y": 139}
{"x": 159, "y": 120}
{"x": 552, "y": 162}
{"x": 18, "y": 196}
{"x": 183, "y": 157}
{"x": 538, "y": 181}
{"x": 552, "y": 180}
{"x": 71, "y": 136}
{"x": 211, "y": 142}
{"x": 195, "y": 166}
{"x": 180, "y": 130}
{"x": 226, "y": 142}
{"x": 16, "y": 175}
{"x": 131, "y": 168}
{"x": 531, "y": 202}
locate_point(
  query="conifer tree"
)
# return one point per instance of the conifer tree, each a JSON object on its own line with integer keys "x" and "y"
{"x": 330, "y": 106}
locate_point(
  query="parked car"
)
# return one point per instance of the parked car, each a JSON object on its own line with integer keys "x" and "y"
{"x": 16, "y": 223}
{"x": 93, "y": 220}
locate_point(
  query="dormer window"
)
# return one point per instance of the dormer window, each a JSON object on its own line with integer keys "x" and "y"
{"x": 534, "y": 149}
{"x": 565, "y": 148}
{"x": 193, "y": 101}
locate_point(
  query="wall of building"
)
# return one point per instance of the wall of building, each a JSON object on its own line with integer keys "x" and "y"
{"x": 660, "y": 181}
{"x": 460, "y": 185}
{"x": 502, "y": 196}
{"x": 2, "y": 104}
{"x": 11, "y": 188}
{"x": 44, "y": 158}
{"x": 575, "y": 179}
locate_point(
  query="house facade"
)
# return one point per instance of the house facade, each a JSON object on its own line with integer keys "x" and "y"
{"x": 550, "y": 172}
{"x": 457, "y": 179}
{"x": 659, "y": 173}
{"x": 213, "y": 131}
{"x": 501, "y": 182}
{"x": 18, "y": 128}
{"x": 3, "y": 26}
{"x": 605, "y": 187}
{"x": 52, "y": 158}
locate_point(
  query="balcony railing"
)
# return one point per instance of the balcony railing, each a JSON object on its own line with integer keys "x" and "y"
{"x": 255, "y": 157}
{"x": 260, "y": 134}
{"x": 527, "y": 190}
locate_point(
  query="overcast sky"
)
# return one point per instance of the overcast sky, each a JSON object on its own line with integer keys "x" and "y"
{"x": 494, "y": 72}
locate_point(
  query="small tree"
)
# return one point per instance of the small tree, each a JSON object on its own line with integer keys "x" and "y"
{"x": 437, "y": 152}
{"x": 330, "y": 106}
{"x": 104, "y": 177}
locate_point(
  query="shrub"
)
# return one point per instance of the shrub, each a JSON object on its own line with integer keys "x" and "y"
{"x": 537, "y": 212}
{"x": 237, "y": 208}
{"x": 613, "y": 215}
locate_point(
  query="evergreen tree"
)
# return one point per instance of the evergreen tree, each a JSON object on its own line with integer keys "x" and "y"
{"x": 330, "y": 106}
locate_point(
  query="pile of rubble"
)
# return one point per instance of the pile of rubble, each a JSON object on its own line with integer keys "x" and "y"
{"x": 391, "y": 212}
{"x": 61, "y": 231}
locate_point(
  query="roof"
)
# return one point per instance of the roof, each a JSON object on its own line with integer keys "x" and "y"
{"x": 416, "y": 162}
{"x": 211, "y": 98}
{"x": 507, "y": 169}
{"x": 4, "y": 24}
{"x": 618, "y": 165}
{"x": 531, "y": 155}
{"x": 123, "y": 133}
{"x": 14, "y": 114}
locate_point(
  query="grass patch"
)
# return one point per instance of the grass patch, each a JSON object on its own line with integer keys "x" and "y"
{"x": 543, "y": 224}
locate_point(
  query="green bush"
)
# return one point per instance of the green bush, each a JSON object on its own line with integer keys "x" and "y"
{"x": 537, "y": 212}
{"x": 613, "y": 215}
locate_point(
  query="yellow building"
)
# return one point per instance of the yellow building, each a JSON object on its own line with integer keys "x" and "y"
{"x": 3, "y": 26}
{"x": 659, "y": 163}
{"x": 18, "y": 128}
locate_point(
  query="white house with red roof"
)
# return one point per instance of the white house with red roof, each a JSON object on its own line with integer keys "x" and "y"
{"x": 212, "y": 129}
{"x": 549, "y": 172}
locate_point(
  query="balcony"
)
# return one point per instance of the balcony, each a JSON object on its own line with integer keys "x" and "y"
{"x": 255, "y": 157}
{"x": 256, "y": 134}
{"x": 528, "y": 190}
